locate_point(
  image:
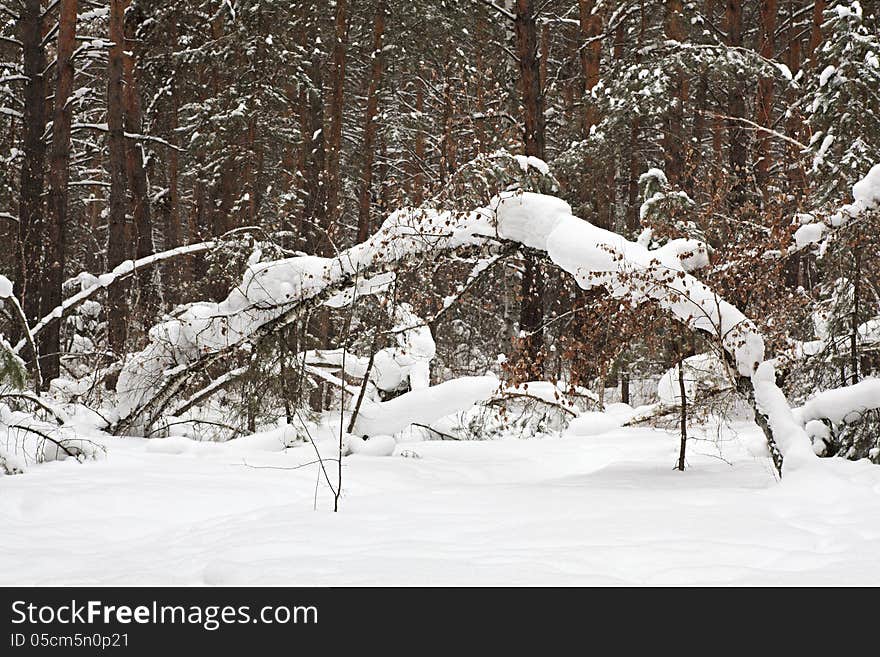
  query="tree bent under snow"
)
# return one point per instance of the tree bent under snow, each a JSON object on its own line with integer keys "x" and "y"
{"x": 273, "y": 294}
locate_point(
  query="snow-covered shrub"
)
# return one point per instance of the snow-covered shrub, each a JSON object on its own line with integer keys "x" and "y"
{"x": 859, "y": 438}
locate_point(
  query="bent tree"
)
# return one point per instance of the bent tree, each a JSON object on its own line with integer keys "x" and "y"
{"x": 274, "y": 294}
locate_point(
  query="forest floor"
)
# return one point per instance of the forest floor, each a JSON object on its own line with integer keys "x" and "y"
{"x": 598, "y": 510}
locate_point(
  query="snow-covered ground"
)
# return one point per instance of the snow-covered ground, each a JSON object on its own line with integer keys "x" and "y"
{"x": 593, "y": 510}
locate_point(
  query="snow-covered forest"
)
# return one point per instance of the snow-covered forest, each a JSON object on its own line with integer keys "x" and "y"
{"x": 488, "y": 277}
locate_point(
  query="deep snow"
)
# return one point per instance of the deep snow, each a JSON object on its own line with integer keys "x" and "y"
{"x": 595, "y": 510}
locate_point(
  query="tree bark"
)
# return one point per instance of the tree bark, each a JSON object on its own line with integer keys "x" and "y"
{"x": 174, "y": 273}
{"x": 118, "y": 236}
{"x": 30, "y": 210}
{"x": 531, "y": 316}
{"x": 590, "y": 56}
{"x": 315, "y": 210}
{"x": 56, "y": 234}
{"x": 370, "y": 124}
{"x": 134, "y": 163}
{"x": 764, "y": 100}
{"x": 854, "y": 334}
{"x": 736, "y": 135}
{"x": 816, "y": 29}
{"x": 337, "y": 105}
{"x": 673, "y": 137}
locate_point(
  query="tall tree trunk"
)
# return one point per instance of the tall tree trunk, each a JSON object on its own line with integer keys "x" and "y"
{"x": 56, "y": 233}
{"x": 418, "y": 182}
{"x": 480, "y": 134}
{"x": 736, "y": 135}
{"x": 447, "y": 150}
{"x": 673, "y": 136}
{"x": 816, "y": 29}
{"x": 370, "y": 125}
{"x": 118, "y": 235}
{"x": 590, "y": 56}
{"x": 526, "y": 35}
{"x": 531, "y": 316}
{"x": 134, "y": 165}
{"x": 30, "y": 209}
{"x": 337, "y": 105}
{"x": 795, "y": 172}
{"x": 764, "y": 100}
{"x": 854, "y": 334}
{"x": 175, "y": 274}
{"x": 315, "y": 214}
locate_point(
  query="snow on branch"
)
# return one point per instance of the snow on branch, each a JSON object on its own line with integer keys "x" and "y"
{"x": 275, "y": 293}
{"x": 841, "y": 404}
{"x": 121, "y": 271}
{"x": 423, "y": 406}
{"x": 866, "y": 197}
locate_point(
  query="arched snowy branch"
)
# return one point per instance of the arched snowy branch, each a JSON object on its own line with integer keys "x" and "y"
{"x": 275, "y": 293}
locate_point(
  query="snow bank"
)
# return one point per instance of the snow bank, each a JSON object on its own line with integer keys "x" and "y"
{"x": 423, "y": 406}
{"x": 375, "y": 446}
{"x": 593, "y": 424}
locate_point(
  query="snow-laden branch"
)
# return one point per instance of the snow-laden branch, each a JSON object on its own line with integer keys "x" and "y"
{"x": 816, "y": 233}
{"x": 123, "y": 270}
{"x": 423, "y": 406}
{"x": 274, "y": 293}
{"x": 841, "y": 404}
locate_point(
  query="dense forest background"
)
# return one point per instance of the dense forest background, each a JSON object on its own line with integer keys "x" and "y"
{"x": 274, "y": 127}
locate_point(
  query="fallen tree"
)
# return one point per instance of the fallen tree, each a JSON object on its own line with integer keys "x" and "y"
{"x": 274, "y": 294}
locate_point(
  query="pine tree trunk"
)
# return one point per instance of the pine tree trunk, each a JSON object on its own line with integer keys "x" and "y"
{"x": 854, "y": 334}
{"x": 795, "y": 173}
{"x": 531, "y": 315}
{"x": 56, "y": 229}
{"x": 673, "y": 146}
{"x": 134, "y": 166}
{"x": 816, "y": 29}
{"x": 418, "y": 183}
{"x": 118, "y": 237}
{"x": 337, "y": 105}
{"x": 30, "y": 210}
{"x": 590, "y": 56}
{"x": 315, "y": 211}
{"x": 370, "y": 124}
{"x": 175, "y": 274}
{"x": 736, "y": 135}
{"x": 764, "y": 100}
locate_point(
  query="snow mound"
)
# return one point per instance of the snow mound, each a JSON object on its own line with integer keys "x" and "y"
{"x": 423, "y": 406}
{"x": 375, "y": 446}
{"x": 593, "y": 424}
